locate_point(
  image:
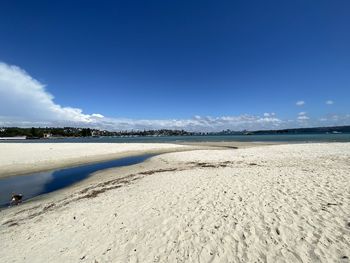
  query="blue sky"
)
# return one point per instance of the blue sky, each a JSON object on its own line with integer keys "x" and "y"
{"x": 190, "y": 64}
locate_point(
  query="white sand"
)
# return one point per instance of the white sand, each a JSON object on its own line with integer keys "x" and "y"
{"x": 19, "y": 158}
{"x": 285, "y": 203}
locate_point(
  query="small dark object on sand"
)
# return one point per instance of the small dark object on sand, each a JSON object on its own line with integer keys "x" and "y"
{"x": 16, "y": 199}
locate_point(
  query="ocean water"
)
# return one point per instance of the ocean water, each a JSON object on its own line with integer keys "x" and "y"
{"x": 343, "y": 137}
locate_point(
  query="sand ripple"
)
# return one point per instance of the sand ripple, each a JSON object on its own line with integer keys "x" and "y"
{"x": 288, "y": 203}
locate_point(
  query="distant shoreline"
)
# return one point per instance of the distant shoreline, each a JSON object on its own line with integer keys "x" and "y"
{"x": 75, "y": 132}
{"x": 279, "y": 138}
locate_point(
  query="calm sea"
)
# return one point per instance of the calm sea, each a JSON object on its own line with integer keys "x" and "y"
{"x": 343, "y": 137}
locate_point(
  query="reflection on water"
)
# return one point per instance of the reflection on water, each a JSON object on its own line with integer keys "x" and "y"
{"x": 28, "y": 185}
{"x": 45, "y": 182}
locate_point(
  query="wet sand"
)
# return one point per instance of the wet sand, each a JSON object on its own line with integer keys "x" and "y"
{"x": 25, "y": 158}
{"x": 279, "y": 203}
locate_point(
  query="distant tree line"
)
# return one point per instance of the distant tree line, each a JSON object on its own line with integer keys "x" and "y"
{"x": 83, "y": 132}
{"x": 45, "y": 132}
{"x": 315, "y": 130}
{"x": 162, "y": 132}
{"x": 37, "y": 133}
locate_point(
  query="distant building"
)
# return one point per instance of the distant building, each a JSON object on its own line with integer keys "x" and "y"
{"x": 47, "y": 135}
{"x": 95, "y": 133}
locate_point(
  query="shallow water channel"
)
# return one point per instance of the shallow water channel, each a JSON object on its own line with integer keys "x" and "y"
{"x": 35, "y": 184}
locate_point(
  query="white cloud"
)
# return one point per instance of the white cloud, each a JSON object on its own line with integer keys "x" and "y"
{"x": 25, "y": 102}
{"x": 329, "y": 102}
{"x": 335, "y": 120}
{"x": 24, "y": 99}
{"x": 97, "y": 115}
{"x": 197, "y": 123}
{"x": 300, "y": 103}
{"x": 302, "y": 116}
{"x": 269, "y": 114}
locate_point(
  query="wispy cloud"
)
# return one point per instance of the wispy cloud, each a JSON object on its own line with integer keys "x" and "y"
{"x": 329, "y": 102}
{"x": 300, "y": 103}
{"x": 196, "y": 123}
{"x": 267, "y": 114}
{"x": 302, "y": 116}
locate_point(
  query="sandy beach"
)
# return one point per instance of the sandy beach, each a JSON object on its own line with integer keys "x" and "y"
{"x": 23, "y": 158}
{"x": 278, "y": 203}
